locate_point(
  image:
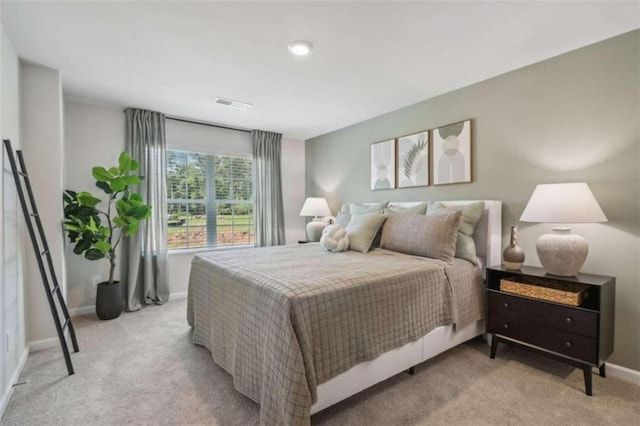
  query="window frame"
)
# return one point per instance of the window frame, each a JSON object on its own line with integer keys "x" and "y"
{"x": 211, "y": 203}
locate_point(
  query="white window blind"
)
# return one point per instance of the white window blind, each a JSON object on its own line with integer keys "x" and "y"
{"x": 210, "y": 200}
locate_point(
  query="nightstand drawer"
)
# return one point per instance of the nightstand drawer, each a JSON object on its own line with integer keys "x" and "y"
{"x": 573, "y": 345}
{"x": 566, "y": 318}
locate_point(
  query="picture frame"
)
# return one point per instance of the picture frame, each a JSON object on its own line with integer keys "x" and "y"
{"x": 451, "y": 152}
{"x": 382, "y": 165}
{"x": 413, "y": 162}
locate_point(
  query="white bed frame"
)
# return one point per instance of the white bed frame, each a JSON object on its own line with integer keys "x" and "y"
{"x": 488, "y": 239}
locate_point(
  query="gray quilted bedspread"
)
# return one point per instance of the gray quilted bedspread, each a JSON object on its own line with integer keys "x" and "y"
{"x": 282, "y": 320}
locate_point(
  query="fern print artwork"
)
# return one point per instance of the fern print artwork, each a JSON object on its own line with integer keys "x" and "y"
{"x": 413, "y": 160}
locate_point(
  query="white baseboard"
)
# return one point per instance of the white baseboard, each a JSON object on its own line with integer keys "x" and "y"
{"x": 83, "y": 310}
{"x": 623, "y": 373}
{"x": 6, "y": 395}
{"x": 41, "y": 345}
{"x": 178, "y": 296}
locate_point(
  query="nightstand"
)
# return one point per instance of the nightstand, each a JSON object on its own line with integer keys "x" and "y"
{"x": 578, "y": 335}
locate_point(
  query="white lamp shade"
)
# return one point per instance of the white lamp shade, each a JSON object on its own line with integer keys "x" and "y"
{"x": 563, "y": 203}
{"x": 315, "y": 206}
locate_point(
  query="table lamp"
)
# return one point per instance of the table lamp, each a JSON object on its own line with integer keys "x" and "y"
{"x": 315, "y": 206}
{"x": 562, "y": 253}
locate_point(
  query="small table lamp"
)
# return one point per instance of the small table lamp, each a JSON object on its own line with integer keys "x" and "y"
{"x": 562, "y": 253}
{"x": 315, "y": 206}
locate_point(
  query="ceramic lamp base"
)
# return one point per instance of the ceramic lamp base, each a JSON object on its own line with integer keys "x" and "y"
{"x": 314, "y": 230}
{"x": 562, "y": 253}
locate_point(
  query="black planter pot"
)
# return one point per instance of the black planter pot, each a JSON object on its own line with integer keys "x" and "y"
{"x": 109, "y": 300}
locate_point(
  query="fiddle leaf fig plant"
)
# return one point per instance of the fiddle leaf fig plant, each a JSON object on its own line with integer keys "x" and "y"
{"x": 95, "y": 231}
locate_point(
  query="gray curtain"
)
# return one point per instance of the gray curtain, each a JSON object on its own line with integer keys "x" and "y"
{"x": 269, "y": 212}
{"x": 145, "y": 264}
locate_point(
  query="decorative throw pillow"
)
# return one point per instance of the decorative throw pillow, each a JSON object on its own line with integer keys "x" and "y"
{"x": 343, "y": 219}
{"x": 359, "y": 208}
{"x": 362, "y": 229}
{"x": 334, "y": 238}
{"x": 426, "y": 236}
{"x": 417, "y": 209}
{"x": 471, "y": 214}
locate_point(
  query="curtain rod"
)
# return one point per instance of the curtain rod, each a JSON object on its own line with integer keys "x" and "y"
{"x": 208, "y": 124}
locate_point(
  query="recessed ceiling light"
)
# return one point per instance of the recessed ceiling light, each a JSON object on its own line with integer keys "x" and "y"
{"x": 232, "y": 104}
{"x": 300, "y": 47}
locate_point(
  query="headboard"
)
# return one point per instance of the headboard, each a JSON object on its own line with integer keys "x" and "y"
{"x": 488, "y": 234}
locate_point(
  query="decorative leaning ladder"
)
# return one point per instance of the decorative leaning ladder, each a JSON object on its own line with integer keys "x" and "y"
{"x": 41, "y": 250}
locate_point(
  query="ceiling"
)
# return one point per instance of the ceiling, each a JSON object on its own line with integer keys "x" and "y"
{"x": 369, "y": 58}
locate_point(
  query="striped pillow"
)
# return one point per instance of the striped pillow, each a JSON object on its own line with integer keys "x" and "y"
{"x": 426, "y": 236}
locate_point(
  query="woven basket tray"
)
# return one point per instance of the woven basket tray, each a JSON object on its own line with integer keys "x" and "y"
{"x": 555, "y": 291}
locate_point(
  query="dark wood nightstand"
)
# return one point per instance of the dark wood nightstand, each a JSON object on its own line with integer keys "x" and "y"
{"x": 578, "y": 335}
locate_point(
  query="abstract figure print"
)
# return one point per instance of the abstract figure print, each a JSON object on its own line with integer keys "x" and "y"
{"x": 452, "y": 153}
{"x": 383, "y": 174}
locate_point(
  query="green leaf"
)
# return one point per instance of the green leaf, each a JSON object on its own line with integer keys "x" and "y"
{"x": 140, "y": 213}
{"x": 94, "y": 254}
{"x": 101, "y": 174}
{"x": 118, "y": 184}
{"x": 124, "y": 163}
{"x": 134, "y": 165}
{"x": 135, "y": 197}
{"x": 131, "y": 180}
{"x": 84, "y": 243}
{"x": 91, "y": 226}
{"x": 122, "y": 205}
{"x": 132, "y": 229}
{"x": 104, "y": 186}
{"x": 72, "y": 227}
{"x": 120, "y": 222}
{"x": 103, "y": 246}
{"x": 114, "y": 171}
{"x": 86, "y": 199}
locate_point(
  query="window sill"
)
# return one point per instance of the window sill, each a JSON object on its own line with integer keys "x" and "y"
{"x": 205, "y": 249}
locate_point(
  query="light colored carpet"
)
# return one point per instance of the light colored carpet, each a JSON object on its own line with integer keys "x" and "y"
{"x": 143, "y": 369}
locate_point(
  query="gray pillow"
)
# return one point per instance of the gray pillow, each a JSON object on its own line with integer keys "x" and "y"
{"x": 417, "y": 209}
{"x": 343, "y": 219}
{"x": 359, "y": 208}
{"x": 362, "y": 229}
{"x": 426, "y": 236}
{"x": 471, "y": 214}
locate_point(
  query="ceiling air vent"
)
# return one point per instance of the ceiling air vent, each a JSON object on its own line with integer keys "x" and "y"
{"x": 232, "y": 104}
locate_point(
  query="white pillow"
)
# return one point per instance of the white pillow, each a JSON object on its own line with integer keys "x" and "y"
{"x": 334, "y": 238}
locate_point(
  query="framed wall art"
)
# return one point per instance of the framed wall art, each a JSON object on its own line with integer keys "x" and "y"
{"x": 452, "y": 153}
{"x": 383, "y": 163}
{"x": 413, "y": 160}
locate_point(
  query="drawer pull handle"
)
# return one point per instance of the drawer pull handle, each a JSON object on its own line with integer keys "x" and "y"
{"x": 506, "y": 304}
{"x": 569, "y": 320}
{"x": 568, "y": 344}
{"x": 506, "y": 326}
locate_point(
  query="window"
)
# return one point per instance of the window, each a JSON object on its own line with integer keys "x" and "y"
{"x": 210, "y": 200}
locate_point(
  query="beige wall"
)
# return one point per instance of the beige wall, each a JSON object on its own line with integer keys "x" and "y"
{"x": 570, "y": 118}
{"x": 42, "y": 143}
{"x": 94, "y": 136}
{"x": 12, "y": 315}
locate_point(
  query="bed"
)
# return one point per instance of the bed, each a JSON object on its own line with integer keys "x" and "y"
{"x": 300, "y": 328}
